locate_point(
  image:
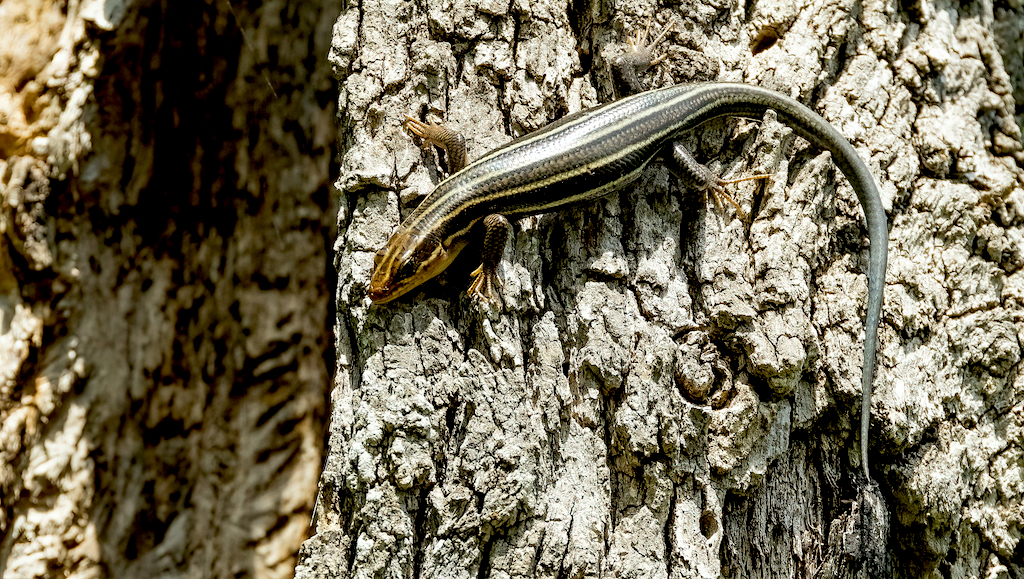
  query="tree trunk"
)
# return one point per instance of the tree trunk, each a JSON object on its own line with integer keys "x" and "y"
{"x": 165, "y": 170}
{"x": 670, "y": 392}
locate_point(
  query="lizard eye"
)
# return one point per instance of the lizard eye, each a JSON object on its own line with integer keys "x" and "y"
{"x": 408, "y": 269}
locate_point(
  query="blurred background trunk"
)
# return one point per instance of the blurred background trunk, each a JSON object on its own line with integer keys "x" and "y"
{"x": 164, "y": 360}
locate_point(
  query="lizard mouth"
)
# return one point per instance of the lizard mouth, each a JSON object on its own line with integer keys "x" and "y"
{"x": 380, "y": 294}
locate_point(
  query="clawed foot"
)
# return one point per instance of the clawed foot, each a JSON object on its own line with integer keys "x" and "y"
{"x": 718, "y": 194}
{"x": 452, "y": 142}
{"x": 639, "y": 44}
{"x": 628, "y": 66}
{"x": 419, "y": 128}
{"x": 485, "y": 288}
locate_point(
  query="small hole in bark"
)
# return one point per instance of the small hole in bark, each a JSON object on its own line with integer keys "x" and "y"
{"x": 708, "y": 524}
{"x": 764, "y": 40}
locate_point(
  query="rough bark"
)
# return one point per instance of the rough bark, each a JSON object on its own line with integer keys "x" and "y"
{"x": 164, "y": 170}
{"x": 670, "y": 393}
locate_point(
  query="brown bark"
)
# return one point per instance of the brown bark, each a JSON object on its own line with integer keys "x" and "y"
{"x": 165, "y": 170}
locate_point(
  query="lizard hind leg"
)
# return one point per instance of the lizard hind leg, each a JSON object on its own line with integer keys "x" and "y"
{"x": 637, "y": 58}
{"x": 697, "y": 176}
{"x": 641, "y": 44}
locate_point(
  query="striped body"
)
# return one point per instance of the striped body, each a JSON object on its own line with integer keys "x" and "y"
{"x": 594, "y": 152}
{"x": 576, "y": 159}
{"x": 597, "y": 151}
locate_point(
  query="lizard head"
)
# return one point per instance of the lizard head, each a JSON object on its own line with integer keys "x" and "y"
{"x": 409, "y": 259}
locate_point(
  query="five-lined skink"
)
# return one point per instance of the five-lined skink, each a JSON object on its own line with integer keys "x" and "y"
{"x": 595, "y": 152}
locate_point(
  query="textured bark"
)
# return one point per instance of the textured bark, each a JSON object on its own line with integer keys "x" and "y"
{"x": 164, "y": 170}
{"x": 670, "y": 393}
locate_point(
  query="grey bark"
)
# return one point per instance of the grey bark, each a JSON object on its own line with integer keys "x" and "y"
{"x": 164, "y": 172}
{"x": 670, "y": 393}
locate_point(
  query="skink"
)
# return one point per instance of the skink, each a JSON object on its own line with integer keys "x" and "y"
{"x": 595, "y": 152}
